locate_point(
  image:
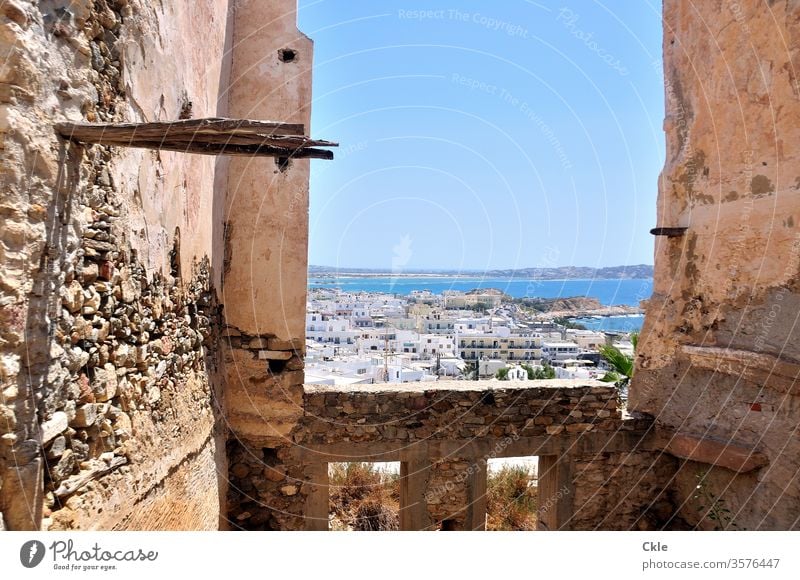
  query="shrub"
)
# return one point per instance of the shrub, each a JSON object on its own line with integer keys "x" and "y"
{"x": 511, "y": 499}
{"x": 363, "y": 497}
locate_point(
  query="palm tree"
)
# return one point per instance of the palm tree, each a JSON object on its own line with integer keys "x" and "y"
{"x": 621, "y": 364}
{"x": 470, "y": 371}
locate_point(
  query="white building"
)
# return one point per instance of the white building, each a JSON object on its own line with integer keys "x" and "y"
{"x": 329, "y": 329}
{"x": 498, "y": 343}
{"x": 587, "y": 339}
{"x": 559, "y": 350}
{"x": 366, "y": 370}
{"x": 456, "y": 299}
{"x": 517, "y": 373}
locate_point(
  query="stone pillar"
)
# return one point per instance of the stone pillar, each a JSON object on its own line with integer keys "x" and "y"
{"x": 555, "y": 493}
{"x": 476, "y": 497}
{"x": 414, "y": 473}
{"x": 317, "y": 493}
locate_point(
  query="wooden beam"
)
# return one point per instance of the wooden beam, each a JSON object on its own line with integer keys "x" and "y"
{"x": 728, "y": 454}
{"x": 204, "y": 136}
{"x": 156, "y": 129}
{"x": 282, "y": 141}
{"x": 76, "y": 482}
{"x": 235, "y": 150}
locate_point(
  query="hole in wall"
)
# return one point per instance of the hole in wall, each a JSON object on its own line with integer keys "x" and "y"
{"x": 283, "y": 163}
{"x": 269, "y": 456}
{"x": 277, "y": 366}
{"x": 287, "y": 55}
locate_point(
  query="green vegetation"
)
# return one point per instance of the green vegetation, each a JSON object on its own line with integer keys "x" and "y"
{"x": 363, "y": 497}
{"x": 511, "y": 499}
{"x": 534, "y": 374}
{"x": 712, "y": 507}
{"x": 567, "y": 323}
{"x": 621, "y": 364}
{"x": 470, "y": 371}
{"x": 545, "y": 372}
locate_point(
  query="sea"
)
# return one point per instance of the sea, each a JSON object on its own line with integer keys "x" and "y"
{"x": 608, "y": 292}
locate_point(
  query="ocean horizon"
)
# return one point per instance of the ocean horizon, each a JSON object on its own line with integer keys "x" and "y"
{"x": 619, "y": 292}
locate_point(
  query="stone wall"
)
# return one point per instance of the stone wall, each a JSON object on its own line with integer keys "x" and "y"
{"x": 720, "y": 351}
{"x": 108, "y": 292}
{"x": 443, "y": 436}
{"x": 455, "y": 410}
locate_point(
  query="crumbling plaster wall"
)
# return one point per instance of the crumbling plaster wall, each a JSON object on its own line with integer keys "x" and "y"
{"x": 720, "y": 346}
{"x": 110, "y": 260}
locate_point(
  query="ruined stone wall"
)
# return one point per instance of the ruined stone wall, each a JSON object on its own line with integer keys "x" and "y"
{"x": 455, "y": 410}
{"x": 108, "y": 290}
{"x": 444, "y": 435}
{"x": 622, "y": 490}
{"x": 720, "y": 351}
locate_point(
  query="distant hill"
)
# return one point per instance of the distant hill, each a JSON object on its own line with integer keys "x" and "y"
{"x": 578, "y": 272}
{"x": 558, "y": 273}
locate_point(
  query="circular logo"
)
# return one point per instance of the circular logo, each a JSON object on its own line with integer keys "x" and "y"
{"x": 31, "y": 553}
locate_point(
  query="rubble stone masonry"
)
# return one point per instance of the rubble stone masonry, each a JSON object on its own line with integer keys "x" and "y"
{"x": 444, "y": 435}
{"x": 107, "y": 412}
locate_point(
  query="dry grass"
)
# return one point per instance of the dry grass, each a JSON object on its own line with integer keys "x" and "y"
{"x": 511, "y": 499}
{"x": 366, "y": 497}
{"x": 363, "y": 497}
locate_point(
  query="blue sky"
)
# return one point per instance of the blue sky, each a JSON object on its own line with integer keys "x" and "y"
{"x": 479, "y": 135}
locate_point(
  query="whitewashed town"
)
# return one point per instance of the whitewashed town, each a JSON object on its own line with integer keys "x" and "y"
{"x": 363, "y": 338}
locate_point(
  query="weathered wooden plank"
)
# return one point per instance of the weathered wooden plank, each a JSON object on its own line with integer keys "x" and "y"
{"x": 236, "y": 150}
{"x": 215, "y": 136}
{"x": 212, "y": 125}
{"x": 764, "y": 369}
{"x": 285, "y": 141}
{"x": 729, "y": 454}
{"x": 76, "y": 482}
